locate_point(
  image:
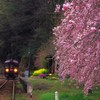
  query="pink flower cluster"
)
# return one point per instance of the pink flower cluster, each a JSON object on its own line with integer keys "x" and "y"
{"x": 57, "y": 9}
{"x": 77, "y": 42}
{"x": 66, "y": 6}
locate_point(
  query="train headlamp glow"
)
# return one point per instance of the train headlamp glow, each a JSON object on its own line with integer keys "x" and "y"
{"x": 7, "y": 70}
{"x": 15, "y": 70}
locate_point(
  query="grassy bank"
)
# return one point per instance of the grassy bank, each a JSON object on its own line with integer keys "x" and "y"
{"x": 44, "y": 89}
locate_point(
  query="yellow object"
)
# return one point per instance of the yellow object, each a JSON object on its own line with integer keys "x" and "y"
{"x": 50, "y": 74}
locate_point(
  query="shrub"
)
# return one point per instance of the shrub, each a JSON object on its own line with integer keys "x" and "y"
{"x": 42, "y": 75}
{"x": 40, "y": 71}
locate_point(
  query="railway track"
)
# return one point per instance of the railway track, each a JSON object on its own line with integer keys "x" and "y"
{"x": 3, "y": 84}
{"x": 13, "y": 87}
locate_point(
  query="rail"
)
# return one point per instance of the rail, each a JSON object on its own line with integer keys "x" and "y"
{"x": 13, "y": 91}
{"x": 3, "y": 84}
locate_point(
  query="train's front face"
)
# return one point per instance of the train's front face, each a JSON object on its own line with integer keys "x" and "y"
{"x": 11, "y": 69}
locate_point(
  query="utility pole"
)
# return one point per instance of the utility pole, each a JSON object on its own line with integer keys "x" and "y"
{"x": 29, "y": 59}
{"x": 29, "y": 55}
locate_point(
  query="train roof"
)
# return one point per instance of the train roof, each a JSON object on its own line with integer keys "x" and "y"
{"x": 11, "y": 60}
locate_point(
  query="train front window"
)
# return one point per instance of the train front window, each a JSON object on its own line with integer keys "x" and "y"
{"x": 7, "y": 65}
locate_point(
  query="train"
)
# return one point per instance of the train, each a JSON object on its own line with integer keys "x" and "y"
{"x": 11, "y": 69}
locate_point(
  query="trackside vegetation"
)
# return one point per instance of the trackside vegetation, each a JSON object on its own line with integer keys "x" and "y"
{"x": 44, "y": 89}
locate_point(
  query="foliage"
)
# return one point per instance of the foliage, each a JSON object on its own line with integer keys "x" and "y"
{"x": 24, "y": 26}
{"x": 40, "y": 71}
{"x": 77, "y": 41}
{"x": 45, "y": 50}
{"x": 16, "y": 28}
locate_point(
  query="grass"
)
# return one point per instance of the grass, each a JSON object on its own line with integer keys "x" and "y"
{"x": 19, "y": 97}
{"x": 47, "y": 96}
{"x": 44, "y": 89}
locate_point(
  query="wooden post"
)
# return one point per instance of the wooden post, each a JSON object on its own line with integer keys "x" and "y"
{"x": 56, "y": 95}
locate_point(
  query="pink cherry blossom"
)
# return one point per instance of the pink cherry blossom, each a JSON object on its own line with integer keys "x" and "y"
{"x": 57, "y": 9}
{"x": 77, "y": 42}
{"x": 66, "y": 6}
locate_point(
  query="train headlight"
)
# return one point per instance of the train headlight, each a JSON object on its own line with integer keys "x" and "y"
{"x": 7, "y": 70}
{"x": 15, "y": 70}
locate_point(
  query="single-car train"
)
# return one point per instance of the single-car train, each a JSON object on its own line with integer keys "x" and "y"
{"x": 11, "y": 69}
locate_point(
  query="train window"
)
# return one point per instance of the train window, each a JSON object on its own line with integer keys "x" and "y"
{"x": 7, "y": 65}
